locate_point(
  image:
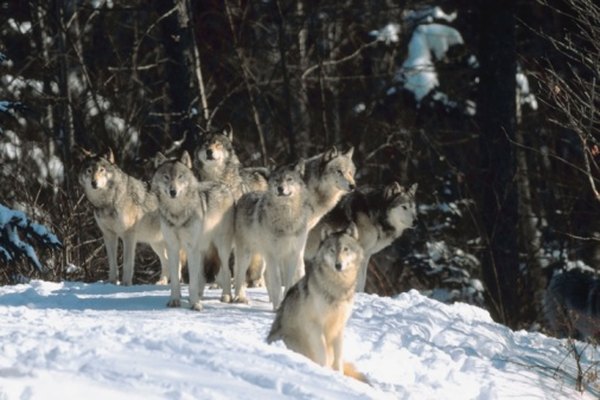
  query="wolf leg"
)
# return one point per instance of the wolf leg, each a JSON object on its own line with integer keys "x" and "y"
{"x": 273, "y": 280}
{"x": 194, "y": 269}
{"x": 224, "y": 275}
{"x": 129, "y": 244}
{"x": 111, "y": 242}
{"x": 161, "y": 251}
{"x": 241, "y": 261}
{"x": 362, "y": 275}
{"x": 173, "y": 260}
{"x": 338, "y": 347}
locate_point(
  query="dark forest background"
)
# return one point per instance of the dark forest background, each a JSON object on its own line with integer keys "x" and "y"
{"x": 506, "y": 173}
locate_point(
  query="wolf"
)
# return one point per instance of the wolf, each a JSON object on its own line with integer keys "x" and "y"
{"x": 215, "y": 159}
{"x": 572, "y": 304}
{"x": 124, "y": 209}
{"x": 328, "y": 177}
{"x": 381, "y": 215}
{"x": 273, "y": 224}
{"x": 314, "y": 312}
{"x": 193, "y": 216}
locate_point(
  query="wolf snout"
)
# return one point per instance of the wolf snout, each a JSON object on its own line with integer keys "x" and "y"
{"x": 172, "y": 193}
{"x": 351, "y": 186}
{"x": 338, "y": 266}
{"x": 209, "y": 154}
{"x": 94, "y": 184}
{"x": 281, "y": 191}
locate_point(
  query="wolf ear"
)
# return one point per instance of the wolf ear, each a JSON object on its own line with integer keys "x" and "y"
{"x": 109, "y": 155}
{"x": 413, "y": 190}
{"x": 349, "y": 153}
{"x": 300, "y": 167}
{"x": 228, "y": 132}
{"x": 159, "y": 159}
{"x": 325, "y": 233}
{"x": 330, "y": 154}
{"x": 352, "y": 230}
{"x": 186, "y": 159}
{"x": 392, "y": 190}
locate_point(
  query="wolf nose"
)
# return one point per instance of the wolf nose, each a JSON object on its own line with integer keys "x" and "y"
{"x": 338, "y": 266}
{"x": 209, "y": 153}
{"x": 172, "y": 193}
{"x": 94, "y": 184}
{"x": 352, "y": 186}
{"x": 280, "y": 190}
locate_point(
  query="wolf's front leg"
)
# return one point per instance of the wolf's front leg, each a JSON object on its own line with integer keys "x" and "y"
{"x": 195, "y": 271}
{"x": 273, "y": 280}
{"x": 111, "y": 242}
{"x": 129, "y": 244}
{"x": 361, "y": 280}
{"x": 173, "y": 260}
{"x": 224, "y": 275}
{"x": 240, "y": 266}
{"x": 338, "y": 347}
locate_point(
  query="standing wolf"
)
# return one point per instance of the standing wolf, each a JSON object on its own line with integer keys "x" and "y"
{"x": 381, "y": 214}
{"x": 193, "y": 216}
{"x": 273, "y": 224}
{"x": 125, "y": 209}
{"x": 572, "y": 304}
{"x": 328, "y": 177}
{"x": 314, "y": 313}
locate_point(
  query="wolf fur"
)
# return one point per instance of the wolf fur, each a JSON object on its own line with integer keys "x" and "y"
{"x": 572, "y": 304}
{"x": 193, "y": 216}
{"x": 328, "y": 177}
{"x": 124, "y": 209}
{"x": 274, "y": 225}
{"x": 381, "y": 215}
{"x": 314, "y": 313}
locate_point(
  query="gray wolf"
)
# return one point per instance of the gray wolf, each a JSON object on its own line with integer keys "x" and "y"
{"x": 124, "y": 209}
{"x": 215, "y": 159}
{"x": 572, "y": 304}
{"x": 328, "y": 177}
{"x": 273, "y": 224}
{"x": 193, "y": 216}
{"x": 381, "y": 215}
{"x": 314, "y": 313}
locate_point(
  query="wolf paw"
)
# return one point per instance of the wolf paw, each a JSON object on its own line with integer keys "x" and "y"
{"x": 162, "y": 281}
{"x": 226, "y": 298}
{"x": 197, "y": 306}
{"x": 174, "y": 303}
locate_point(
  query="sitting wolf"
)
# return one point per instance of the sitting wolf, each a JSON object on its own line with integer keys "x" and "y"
{"x": 312, "y": 318}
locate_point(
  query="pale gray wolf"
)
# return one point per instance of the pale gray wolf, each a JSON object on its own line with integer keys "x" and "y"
{"x": 328, "y": 177}
{"x": 124, "y": 209}
{"x": 314, "y": 313}
{"x": 572, "y": 304}
{"x": 273, "y": 224}
{"x": 381, "y": 215}
{"x": 215, "y": 159}
{"x": 193, "y": 216}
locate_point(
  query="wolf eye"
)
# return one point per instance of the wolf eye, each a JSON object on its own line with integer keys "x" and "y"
{"x": 101, "y": 169}
{"x": 404, "y": 207}
{"x": 89, "y": 171}
{"x": 339, "y": 171}
{"x": 166, "y": 177}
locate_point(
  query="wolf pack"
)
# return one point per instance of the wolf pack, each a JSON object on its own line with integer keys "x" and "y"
{"x": 304, "y": 229}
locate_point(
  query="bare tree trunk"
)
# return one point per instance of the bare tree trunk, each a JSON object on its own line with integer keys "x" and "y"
{"x": 300, "y": 112}
{"x": 198, "y": 68}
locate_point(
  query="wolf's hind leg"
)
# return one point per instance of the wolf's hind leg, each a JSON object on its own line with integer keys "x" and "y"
{"x": 111, "y": 242}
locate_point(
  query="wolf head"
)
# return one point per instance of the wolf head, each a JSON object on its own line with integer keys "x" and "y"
{"x": 400, "y": 205}
{"x": 173, "y": 178}
{"x": 338, "y": 169}
{"x": 288, "y": 180}
{"x": 216, "y": 147}
{"x": 97, "y": 171}
{"x": 340, "y": 251}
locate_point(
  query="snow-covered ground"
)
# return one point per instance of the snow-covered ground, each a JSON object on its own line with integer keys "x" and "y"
{"x": 99, "y": 341}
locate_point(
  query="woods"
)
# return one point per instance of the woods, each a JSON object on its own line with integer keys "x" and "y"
{"x": 490, "y": 106}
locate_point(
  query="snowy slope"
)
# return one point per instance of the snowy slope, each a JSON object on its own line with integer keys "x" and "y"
{"x": 100, "y": 341}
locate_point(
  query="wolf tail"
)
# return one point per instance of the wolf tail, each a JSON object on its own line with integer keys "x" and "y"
{"x": 351, "y": 371}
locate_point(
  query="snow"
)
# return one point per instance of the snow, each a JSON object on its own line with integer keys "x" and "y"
{"x": 74, "y": 340}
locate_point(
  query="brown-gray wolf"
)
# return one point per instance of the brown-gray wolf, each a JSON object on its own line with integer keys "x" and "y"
{"x": 381, "y": 214}
{"x": 193, "y": 216}
{"x": 312, "y": 317}
{"x": 328, "y": 177}
{"x": 124, "y": 209}
{"x": 273, "y": 224}
{"x": 572, "y": 304}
